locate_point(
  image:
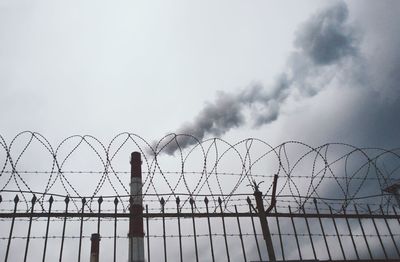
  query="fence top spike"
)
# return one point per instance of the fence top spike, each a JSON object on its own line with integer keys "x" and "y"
{"x": 33, "y": 199}
{"x": 66, "y": 200}
{"x": 16, "y": 199}
{"x": 162, "y": 201}
{"x": 191, "y": 201}
{"x": 248, "y": 200}
{"x": 206, "y": 200}
{"x": 116, "y": 201}
{"x": 130, "y": 200}
{"x": 100, "y": 200}
{"x": 51, "y": 199}
{"x": 315, "y": 200}
{"x": 219, "y": 200}
{"x": 1, "y": 199}
{"x": 178, "y": 200}
{"x": 84, "y": 200}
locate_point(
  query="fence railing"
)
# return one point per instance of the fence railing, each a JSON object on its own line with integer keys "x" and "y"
{"x": 204, "y": 231}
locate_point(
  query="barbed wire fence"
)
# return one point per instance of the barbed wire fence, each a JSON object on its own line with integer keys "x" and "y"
{"x": 330, "y": 200}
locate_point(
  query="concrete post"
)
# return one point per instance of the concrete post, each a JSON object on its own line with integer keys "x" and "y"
{"x": 136, "y": 234}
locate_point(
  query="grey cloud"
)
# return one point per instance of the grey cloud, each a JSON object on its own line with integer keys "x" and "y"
{"x": 325, "y": 39}
{"x": 364, "y": 109}
{"x": 371, "y": 114}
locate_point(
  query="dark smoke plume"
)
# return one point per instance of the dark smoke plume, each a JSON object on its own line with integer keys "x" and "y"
{"x": 322, "y": 43}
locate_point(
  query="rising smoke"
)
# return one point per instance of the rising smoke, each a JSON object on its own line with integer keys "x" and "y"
{"x": 322, "y": 44}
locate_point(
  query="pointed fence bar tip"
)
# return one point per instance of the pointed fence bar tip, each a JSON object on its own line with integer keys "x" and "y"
{"x": 16, "y": 199}
{"x": 177, "y": 200}
{"x": 1, "y": 199}
{"x": 248, "y": 200}
{"x": 191, "y": 201}
{"x": 219, "y": 201}
{"x": 116, "y": 201}
{"x": 33, "y": 201}
{"x": 100, "y": 200}
{"x": 66, "y": 200}
{"x": 206, "y": 201}
{"x": 162, "y": 201}
{"x": 83, "y": 200}
{"x": 51, "y": 200}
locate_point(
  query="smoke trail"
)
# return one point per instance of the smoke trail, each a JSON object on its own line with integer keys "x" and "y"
{"x": 322, "y": 43}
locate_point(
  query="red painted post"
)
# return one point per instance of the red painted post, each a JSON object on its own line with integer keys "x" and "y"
{"x": 136, "y": 234}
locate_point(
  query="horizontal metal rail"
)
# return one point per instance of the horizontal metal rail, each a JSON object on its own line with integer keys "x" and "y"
{"x": 198, "y": 215}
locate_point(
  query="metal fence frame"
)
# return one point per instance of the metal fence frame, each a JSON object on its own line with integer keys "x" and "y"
{"x": 255, "y": 214}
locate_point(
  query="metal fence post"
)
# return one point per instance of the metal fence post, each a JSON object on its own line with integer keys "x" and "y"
{"x": 262, "y": 214}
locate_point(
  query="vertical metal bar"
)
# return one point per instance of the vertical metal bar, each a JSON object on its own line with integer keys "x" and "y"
{"x": 351, "y": 234}
{"x": 240, "y": 234}
{"x": 209, "y": 229}
{"x": 254, "y": 228}
{"x": 99, "y": 201}
{"x": 115, "y": 227}
{"x": 337, "y": 234}
{"x": 66, "y": 200}
{"x": 16, "y": 200}
{"x": 148, "y": 233}
{"x": 395, "y": 212}
{"x": 191, "y": 201}
{"x": 280, "y": 234}
{"x": 95, "y": 238}
{"x": 363, "y": 232}
{"x": 28, "y": 237}
{"x": 309, "y": 234}
{"x": 162, "y": 201}
{"x": 179, "y": 229}
{"x": 224, "y": 228}
{"x": 295, "y": 233}
{"x": 390, "y": 232}
{"x": 377, "y": 232}
{"x": 322, "y": 229}
{"x": 81, "y": 229}
{"x": 51, "y": 200}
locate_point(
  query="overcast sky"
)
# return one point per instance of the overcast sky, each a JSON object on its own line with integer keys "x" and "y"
{"x": 317, "y": 72}
{"x": 144, "y": 68}
{"x": 314, "y": 71}
{"x": 153, "y": 68}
